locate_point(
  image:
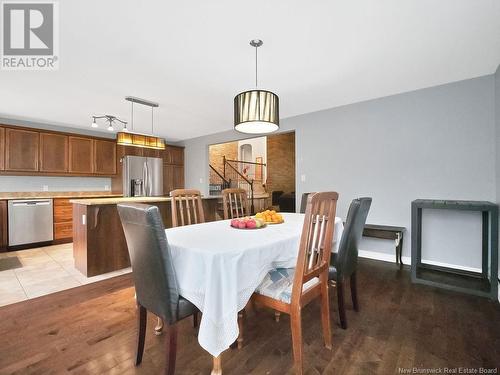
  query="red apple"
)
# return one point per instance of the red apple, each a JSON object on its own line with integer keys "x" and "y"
{"x": 242, "y": 225}
{"x": 235, "y": 223}
{"x": 251, "y": 224}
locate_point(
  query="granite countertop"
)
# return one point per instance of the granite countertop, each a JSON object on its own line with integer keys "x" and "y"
{"x": 104, "y": 201}
{"x": 57, "y": 194}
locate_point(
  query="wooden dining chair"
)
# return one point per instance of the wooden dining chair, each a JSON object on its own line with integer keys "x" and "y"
{"x": 235, "y": 203}
{"x": 154, "y": 276}
{"x": 187, "y": 207}
{"x": 288, "y": 290}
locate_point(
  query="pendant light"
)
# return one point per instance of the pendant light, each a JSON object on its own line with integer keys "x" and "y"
{"x": 256, "y": 111}
{"x": 131, "y": 138}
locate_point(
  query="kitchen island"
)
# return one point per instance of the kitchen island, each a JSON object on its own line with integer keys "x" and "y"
{"x": 99, "y": 244}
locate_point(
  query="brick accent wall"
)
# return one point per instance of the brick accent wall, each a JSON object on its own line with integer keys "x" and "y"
{"x": 281, "y": 162}
{"x": 216, "y": 153}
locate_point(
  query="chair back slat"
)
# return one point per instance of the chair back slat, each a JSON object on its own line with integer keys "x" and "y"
{"x": 235, "y": 203}
{"x": 316, "y": 240}
{"x": 186, "y": 206}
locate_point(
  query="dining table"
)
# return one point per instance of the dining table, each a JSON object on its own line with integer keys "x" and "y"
{"x": 219, "y": 267}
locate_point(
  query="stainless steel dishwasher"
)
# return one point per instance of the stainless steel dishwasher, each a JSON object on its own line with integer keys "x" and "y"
{"x": 30, "y": 221}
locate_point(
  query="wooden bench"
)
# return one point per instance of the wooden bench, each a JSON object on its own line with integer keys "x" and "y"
{"x": 387, "y": 232}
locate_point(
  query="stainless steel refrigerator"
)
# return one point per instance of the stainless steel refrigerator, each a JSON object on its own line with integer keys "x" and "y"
{"x": 142, "y": 177}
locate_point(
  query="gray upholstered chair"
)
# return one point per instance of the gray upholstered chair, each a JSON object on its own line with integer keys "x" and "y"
{"x": 155, "y": 281}
{"x": 303, "y": 203}
{"x": 343, "y": 265}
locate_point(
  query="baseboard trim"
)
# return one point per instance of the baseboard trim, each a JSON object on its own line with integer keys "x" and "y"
{"x": 385, "y": 257}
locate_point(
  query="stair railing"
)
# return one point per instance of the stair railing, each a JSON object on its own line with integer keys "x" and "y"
{"x": 217, "y": 182}
{"x": 230, "y": 170}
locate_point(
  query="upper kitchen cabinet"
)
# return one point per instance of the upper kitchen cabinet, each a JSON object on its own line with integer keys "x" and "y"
{"x": 151, "y": 153}
{"x": 173, "y": 155}
{"x": 53, "y": 153}
{"x": 81, "y": 155}
{"x": 104, "y": 157}
{"x": 21, "y": 150}
{"x": 2, "y": 148}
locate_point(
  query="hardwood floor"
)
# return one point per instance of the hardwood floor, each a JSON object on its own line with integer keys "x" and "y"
{"x": 91, "y": 330}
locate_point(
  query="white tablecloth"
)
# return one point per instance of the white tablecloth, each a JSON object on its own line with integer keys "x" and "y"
{"x": 219, "y": 267}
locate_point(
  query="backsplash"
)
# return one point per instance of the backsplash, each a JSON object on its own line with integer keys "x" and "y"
{"x": 44, "y": 183}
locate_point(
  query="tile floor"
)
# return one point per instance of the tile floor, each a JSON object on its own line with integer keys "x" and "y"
{"x": 44, "y": 270}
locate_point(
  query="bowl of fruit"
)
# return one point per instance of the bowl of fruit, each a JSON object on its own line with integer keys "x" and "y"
{"x": 270, "y": 217}
{"x": 248, "y": 223}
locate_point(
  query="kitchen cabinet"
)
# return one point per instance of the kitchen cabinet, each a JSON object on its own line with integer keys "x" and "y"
{"x": 178, "y": 177}
{"x": 44, "y": 152}
{"x": 168, "y": 179}
{"x": 173, "y": 155}
{"x": 151, "y": 153}
{"x": 132, "y": 150}
{"x": 81, "y": 155}
{"x": 3, "y": 226}
{"x": 21, "y": 150}
{"x": 53, "y": 152}
{"x": 173, "y": 178}
{"x": 104, "y": 157}
{"x": 63, "y": 220}
{"x": 2, "y": 148}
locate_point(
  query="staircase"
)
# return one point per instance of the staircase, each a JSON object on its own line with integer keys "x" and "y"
{"x": 238, "y": 174}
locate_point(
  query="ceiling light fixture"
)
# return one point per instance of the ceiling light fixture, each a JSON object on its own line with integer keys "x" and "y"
{"x": 110, "y": 119}
{"x": 256, "y": 111}
{"x": 130, "y": 138}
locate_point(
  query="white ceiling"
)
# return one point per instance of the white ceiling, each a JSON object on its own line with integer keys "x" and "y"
{"x": 193, "y": 57}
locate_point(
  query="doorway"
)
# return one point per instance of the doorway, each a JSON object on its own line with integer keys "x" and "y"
{"x": 264, "y": 166}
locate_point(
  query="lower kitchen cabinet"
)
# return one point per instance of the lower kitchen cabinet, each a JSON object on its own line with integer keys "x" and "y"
{"x": 63, "y": 220}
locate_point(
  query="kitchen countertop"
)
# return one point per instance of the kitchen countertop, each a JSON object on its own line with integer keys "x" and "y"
{"x": 104, "y": 201}
{"x": 57, "y": 194}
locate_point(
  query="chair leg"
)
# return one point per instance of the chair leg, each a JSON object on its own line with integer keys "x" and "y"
{"x": 239, "y": 340}
{"x": 195, "y": 319}
{"x": 142, "y": 314}
{"x": 325, "y": 317}
{"x": 296, "y": 327}
{"x": 277, "y": 315}
{"x": 340, "y": 297}
{"x": 171, "y": 349}
{"x": 159, "y": 327}
{"x": 354, "y": 292}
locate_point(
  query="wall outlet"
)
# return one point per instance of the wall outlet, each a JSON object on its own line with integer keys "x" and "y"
{"x": 302, "y": 178}
{"x": 201, "y": 180}
{"x": 45, "y": 188}
{"x": 106, "y": 187}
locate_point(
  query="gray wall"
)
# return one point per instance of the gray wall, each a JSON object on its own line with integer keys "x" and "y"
{"x": 437, "y": 142}
{"x": 37, "y": 183}
{"x": 497, "y": 123}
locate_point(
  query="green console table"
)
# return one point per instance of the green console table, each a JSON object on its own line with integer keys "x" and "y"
{"x": 484, "y": 283}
